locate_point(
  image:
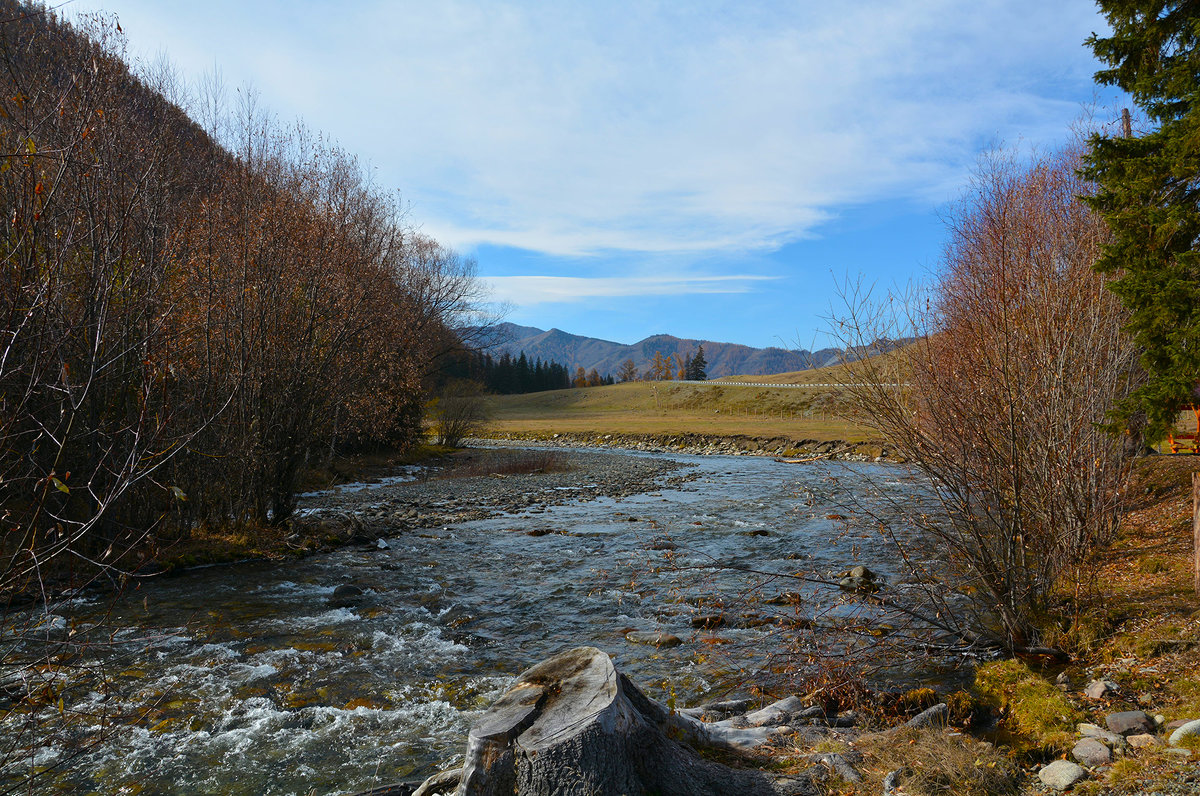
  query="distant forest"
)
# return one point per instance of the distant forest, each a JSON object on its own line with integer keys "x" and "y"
{"x": 511, "y": 376}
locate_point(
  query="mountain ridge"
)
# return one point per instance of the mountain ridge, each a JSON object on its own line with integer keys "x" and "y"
{"x": 606, "y": 356}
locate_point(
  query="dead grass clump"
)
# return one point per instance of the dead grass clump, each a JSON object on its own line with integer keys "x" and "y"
{"x": 937, "y": 763}
{"x": 514, "y": 463}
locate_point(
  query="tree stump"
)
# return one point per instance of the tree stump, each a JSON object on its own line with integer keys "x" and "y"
{"x": 574, "y": 725}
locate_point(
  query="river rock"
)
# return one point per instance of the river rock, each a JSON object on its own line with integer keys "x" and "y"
{"x": 1098, "y": 689}
{"x": 1142, "y": 741}
{"x": 1189, "y": 729}
{"x": 657, "y": 639}
{"x": 1093, "y": 731}
{"x": 1061, "y": 774}
{"x": 1130, "y": 722}
{"x": 1090, "y": 752}
{"x": 345, "y": 595}
{"x": 936, "y": 716}
{"x": 776, "y": 713}
{"x": 859, "y": 579}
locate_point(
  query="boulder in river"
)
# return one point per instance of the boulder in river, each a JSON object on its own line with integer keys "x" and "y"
{"x": 345, "y": 595}
{"x": 859, "y": 579}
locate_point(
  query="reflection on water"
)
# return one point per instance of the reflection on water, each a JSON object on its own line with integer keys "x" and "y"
{"x": 253, "y": 679}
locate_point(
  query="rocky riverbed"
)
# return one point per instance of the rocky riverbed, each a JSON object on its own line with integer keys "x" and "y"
{"x": 707, "y": 445}
{"x": 482, "y": 483}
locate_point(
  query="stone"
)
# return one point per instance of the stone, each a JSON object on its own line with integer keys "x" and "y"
{"x": 859, "y": 584}
{"x": 1130, "y": 722}
{"x": 345, "y": 595}
{"x": 858, "y": 579}
{"x": 936, "y": 716}
{"x": 1183, "y": 731}
{"x": 1098, "y": 689}
{"x": 1142, "y": 741}
{"x": 1091, "y": 753}
{"x": 657, "y": 639}
{"x": 1063, "y": 681}
{"x": 1092, "y": 731}
{"x": 380, "y": 544}
{"x": 775, "y": 714}
{"x": 1061, "y": 774}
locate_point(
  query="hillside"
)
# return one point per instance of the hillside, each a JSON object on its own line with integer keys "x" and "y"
{"x": 606, "y": 356}
{"x": 648, "y": 408}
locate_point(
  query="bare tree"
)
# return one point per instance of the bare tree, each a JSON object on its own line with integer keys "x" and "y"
{"x": 1002, "y": 402}
{"x": 628, "y": 371}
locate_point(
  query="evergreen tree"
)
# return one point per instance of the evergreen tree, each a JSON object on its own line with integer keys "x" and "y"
{"x": 698, "y": 366}
{"x": 1149, "y": 194}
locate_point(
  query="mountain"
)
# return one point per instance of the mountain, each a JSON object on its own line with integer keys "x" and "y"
{"x": 724, "y": 359}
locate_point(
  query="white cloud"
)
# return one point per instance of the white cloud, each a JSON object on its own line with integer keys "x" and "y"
{"x": 531, "y": 290}
{"x": 572, "y": 128}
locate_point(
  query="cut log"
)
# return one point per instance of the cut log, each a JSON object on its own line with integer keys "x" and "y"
{"x": 574, "y": 725}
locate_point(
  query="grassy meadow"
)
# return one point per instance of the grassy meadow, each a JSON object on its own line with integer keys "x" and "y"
{"x": 665, "y": 407}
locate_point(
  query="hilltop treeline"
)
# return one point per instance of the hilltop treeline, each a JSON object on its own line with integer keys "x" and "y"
{"x": 510, "y": 375}
{"x": 188, "y": 315}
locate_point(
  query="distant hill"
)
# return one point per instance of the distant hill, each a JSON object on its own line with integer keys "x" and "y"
{"x": 724, "y": 359}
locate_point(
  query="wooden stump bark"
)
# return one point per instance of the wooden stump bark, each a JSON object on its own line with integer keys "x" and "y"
{"x": 574, "y": 725}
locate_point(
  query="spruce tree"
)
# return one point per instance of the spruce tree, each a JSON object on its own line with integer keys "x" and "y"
{"x": 1148, "y": 190}
{"x": 698, "y": 365}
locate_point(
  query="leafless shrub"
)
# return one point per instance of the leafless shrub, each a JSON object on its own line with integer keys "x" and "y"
{"x": 1002, "y": 401}
{"x": 510, "y": 463}
{"x": 457, "y": 413}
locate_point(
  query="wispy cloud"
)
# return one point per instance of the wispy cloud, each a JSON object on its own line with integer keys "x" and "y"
{"x": 571, "y": 128}
{"x": 533, "y": 290}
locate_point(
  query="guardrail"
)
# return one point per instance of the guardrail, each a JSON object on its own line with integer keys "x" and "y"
{"x": 715, "y": 383}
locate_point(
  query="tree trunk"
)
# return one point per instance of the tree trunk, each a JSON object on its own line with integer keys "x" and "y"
{"x": 574, "y": 725}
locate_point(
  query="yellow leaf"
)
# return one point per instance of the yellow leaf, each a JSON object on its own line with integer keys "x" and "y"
{"x": 60, "y": 486}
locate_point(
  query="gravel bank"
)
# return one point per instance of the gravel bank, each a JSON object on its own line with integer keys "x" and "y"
{"x": 706, "y": 445}
{"x": 479, "y": 483}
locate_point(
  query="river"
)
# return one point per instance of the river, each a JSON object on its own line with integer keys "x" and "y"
{"x": 250, "y": 679}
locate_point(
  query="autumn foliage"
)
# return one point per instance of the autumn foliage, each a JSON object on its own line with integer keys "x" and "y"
{"x": 1003, "y": 401}
{"x": 189, "y": 317}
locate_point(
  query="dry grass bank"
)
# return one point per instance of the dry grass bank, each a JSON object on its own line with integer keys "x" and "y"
{"x": 673, "y": 408}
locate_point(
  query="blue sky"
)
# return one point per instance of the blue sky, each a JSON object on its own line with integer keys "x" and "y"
{"x": 621, "y": 169}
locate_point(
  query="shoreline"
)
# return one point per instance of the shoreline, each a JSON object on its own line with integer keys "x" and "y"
{"x": 702, "y": 444}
